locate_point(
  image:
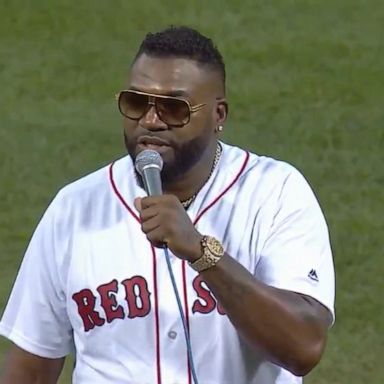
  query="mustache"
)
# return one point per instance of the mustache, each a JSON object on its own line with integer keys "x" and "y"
{"x": 132, "y": 142}
{"x": 160, "y": 137}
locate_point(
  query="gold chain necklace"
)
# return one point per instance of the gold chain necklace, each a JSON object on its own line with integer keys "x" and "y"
{"x": 186, "y": 203}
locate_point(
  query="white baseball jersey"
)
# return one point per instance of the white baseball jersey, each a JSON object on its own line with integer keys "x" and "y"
{"x": 91, "y": 283}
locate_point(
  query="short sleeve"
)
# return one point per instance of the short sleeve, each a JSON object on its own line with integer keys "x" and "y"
{"x": 297, "y": 255}
{"x": 35, "y": 317}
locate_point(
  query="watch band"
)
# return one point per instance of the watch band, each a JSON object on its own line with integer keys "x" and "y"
{"x": 212, "y": 252}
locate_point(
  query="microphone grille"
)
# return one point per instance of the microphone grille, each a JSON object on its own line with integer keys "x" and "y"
{"x": 148, "y": 157}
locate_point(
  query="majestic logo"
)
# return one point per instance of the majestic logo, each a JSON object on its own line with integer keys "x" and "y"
{"x": 136, "y": 301}
{"x": 313, "y": 275}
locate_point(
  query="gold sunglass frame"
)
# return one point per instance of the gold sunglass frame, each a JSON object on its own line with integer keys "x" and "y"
{"x": 154, "y": 96}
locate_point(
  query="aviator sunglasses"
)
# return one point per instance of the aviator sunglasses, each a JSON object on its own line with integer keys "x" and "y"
{"x": 173, "y": 111}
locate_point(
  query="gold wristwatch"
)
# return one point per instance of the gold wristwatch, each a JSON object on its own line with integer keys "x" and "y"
{"x": 212, "y": 252}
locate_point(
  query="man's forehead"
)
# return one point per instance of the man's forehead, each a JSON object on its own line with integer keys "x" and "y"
{"x": 167, "y": 75}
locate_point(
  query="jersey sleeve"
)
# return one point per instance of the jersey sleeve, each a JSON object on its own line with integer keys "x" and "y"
{"x": 297, "y": 255}
{"x": 35, "y": 317}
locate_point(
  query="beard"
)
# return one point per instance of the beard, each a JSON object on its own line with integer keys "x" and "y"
{"x": 186, "y": 155}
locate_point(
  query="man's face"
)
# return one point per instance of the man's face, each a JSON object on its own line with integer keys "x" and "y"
{"x": 180, "y": 147}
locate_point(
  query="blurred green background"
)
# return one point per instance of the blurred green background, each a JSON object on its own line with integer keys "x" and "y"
{"x": 305, "y": 84}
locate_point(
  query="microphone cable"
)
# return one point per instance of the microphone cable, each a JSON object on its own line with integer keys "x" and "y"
{"x": 148, "y": 164}
{"x": 183, "y": 320}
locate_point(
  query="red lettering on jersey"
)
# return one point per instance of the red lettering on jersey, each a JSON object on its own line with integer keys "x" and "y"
{"x": 86, "y": 307}
{"x": 108, "y": 301}
{"x": 205, "y": 303}
{"x": 137, "y": 296}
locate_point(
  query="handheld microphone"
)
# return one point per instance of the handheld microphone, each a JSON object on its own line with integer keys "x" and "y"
{"x": 149, "y": 164}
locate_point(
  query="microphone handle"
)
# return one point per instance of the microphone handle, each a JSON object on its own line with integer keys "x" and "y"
{"x": 152, "y": 180}
{"x": 152, "y": 184}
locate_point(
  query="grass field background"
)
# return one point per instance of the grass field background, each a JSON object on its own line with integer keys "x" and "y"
{"x": 305, "y": 84}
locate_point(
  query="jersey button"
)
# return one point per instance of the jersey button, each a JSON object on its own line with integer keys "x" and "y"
{"x": 172, "y": 335}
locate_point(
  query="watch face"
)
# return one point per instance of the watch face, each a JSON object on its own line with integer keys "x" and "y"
{"x": 215, "y": 246}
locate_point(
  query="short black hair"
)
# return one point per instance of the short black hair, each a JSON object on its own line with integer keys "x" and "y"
{"x": 185, "y": 42}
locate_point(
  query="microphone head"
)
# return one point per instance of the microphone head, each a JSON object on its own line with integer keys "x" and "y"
{"x": 146, "y": 158}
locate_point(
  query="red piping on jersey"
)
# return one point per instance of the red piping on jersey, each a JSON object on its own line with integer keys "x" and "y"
{"x": 201, "y": 213}
{"x": 198, "y": 217}
{"x": 154, "y": 272}
{"x": 158, "y": 365}
{"x": 118, "y": 194}
{"x": 186, "y": 311}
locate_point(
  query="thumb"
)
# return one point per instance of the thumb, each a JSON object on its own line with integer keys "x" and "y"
{"x": 137, "y": 203}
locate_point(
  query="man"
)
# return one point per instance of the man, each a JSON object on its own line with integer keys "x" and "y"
{"x": 248, "y": 242}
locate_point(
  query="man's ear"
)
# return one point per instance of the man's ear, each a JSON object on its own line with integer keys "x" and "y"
{"x": 221, "y": 111}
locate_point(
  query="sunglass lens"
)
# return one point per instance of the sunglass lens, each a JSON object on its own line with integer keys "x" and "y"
{"x": 133, "y": 105}
{"x": 173, "y": 111}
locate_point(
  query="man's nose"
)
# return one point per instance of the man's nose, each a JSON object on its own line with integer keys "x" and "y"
{"x": 151, "y": 119}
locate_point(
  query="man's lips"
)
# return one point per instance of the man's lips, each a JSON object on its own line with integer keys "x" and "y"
{"x": 152, "y": 141}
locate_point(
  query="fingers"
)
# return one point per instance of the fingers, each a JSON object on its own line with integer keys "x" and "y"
{"x": 156, "y": 237}
{"x": 164, "y": 222}
{"x": 141, "y": 203}
{"x": 147, "y": 207}
{"x": 164, "y": 200}
{"x": 152, "y": 206}
{"x": 137, "y": 203}
{"x": 154, "y": 232}
{"x": 148, "y": 213}
{"x": 150, "y": 224}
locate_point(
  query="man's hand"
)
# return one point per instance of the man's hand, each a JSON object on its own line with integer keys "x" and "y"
{"x": 164, "y": 221}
